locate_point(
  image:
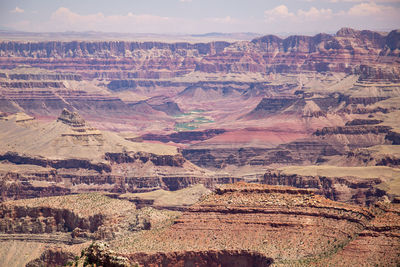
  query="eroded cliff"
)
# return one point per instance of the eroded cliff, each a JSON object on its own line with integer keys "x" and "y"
{"x": 280, "y": 225}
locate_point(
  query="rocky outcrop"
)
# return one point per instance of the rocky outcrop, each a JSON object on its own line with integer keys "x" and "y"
{"x": 377, "y": 74}
{"x": 32, "y": 84}
{"x": 158, "y": 160}
{"x": 307, "y": 105}
{"x": 343, "y": 52}
{"x": 27, "y": 220}
{"x": 351, "y": 130}
{"x": 320, "y": 53}
{"x": 392, "y": 44}
{"x": 367, "y": 157}
{"x": 259, "y": 225}
{"x": 71, "y": 118}
{"x": 16, "y": 186}
{"x": 362, "y": 122}
{"x": 158, "y": 103}
{"x": 165, "y": 105}
{"x": 51, "y": 101}
{"x": 219, "y": 158}
{"x": 110, "y": 59}
{"x": 14, "y": 157}
{"x": 99, "y": 49}
{"x": 48, "y": 93}
{"x": 274, "y": 105}
{"x": 43, "y": 76}
{"x": 282, "y": 222}
{"x": 293, "y": 153}
{"x": 362, "y": 100}
{"x": 52, "y": 257}
{"x": 70, "y": 156}
{"x": 81, "y": 217}
{"x": 184, "y": 137}
{"x": 172, "y": 183}
{"x": 100, "y": 254}
{"x": 343, "y": 189}
{"x": 394, "y": 137}
{"x": 210, "y": 258}
{"x": 121, "y": 85}
{"x": 377, "y": 244}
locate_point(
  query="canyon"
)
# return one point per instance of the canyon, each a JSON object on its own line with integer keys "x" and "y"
{"x": 257, "y": 225}
{"x": 268, "y": 151}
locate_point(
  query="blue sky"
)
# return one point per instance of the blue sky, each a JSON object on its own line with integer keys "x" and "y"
{"x": 198, "y": 16}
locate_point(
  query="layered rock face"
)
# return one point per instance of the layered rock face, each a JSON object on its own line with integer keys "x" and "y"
{"x": 178, "y": 71}
{"x": 341, "y": 52}
{"x": 344, "y": 189}
{"x": 52, "y": 257}
{"x": 107, "y": 59}
{"x": 70, "y": 150}
{"x": 100, "y": 254}
{"x": 381, "y": 230}
{"x": 206, "y": 113}
{"x": 321, "y": 52}
{"x": 61, "y": 228}
{"x": 349, "y": 142}
{"x": 184, "y": 136}
{"x": 282, "y": 225}
{"x": 62, "y": 214}
{"x": 297, "y": 153}
{"x": 43, "y": 221}
{"x": 267, "y": 102}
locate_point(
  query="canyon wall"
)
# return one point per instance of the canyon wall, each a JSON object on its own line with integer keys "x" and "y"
{"x": 249, "y": 224}
{"x": 342, "y": 52}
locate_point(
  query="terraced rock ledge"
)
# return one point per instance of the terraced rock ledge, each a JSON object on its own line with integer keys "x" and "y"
{"x": 263, "y": 225}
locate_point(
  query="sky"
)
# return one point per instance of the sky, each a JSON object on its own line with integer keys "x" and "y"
{"x": 198, "y": 16}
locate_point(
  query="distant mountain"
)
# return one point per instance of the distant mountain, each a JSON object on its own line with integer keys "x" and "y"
{"x": 7, "y": 34}
{"x": 234, "y": 35}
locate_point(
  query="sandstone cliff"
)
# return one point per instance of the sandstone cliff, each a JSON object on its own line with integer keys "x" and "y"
{"x": 341, "y": 53}
{"x": 243, "y": 223}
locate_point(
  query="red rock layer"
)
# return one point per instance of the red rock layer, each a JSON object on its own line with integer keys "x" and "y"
{"x": 289, "y": 225}
{"x": 344, "y": 52}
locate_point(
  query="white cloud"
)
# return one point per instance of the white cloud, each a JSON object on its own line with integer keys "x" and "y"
{"x": 282, "y": 13}
{"x": 315, "y": 14}
{"x": 64, "y": 19}
{"x": 225, "y": 20}
{"x": 277, "y": 13}
{"x": 183, "y": 1}
{"x": 355, "y": 1}
{"x": 17, "y": 10}
{"x": 276, "y": 20}
{"x": 368, "y": 9}
{"x": 360, "y": 16}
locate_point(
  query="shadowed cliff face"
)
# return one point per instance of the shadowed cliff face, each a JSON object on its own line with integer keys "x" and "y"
{"x": 52, "y": 257}
{"x": 346, "y": 189}
{"x": 202, "y": 258}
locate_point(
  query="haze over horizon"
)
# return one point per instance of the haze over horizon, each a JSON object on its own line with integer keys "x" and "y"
{"x": 199, "y": 17}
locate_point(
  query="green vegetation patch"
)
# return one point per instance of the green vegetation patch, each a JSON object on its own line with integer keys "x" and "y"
{"x": 191, "y": 120}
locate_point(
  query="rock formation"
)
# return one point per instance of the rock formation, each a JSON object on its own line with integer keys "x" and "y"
{"x": 317, "y": 113}
{"x": 70, "y": 149}
{"x": 280, "y": 225}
